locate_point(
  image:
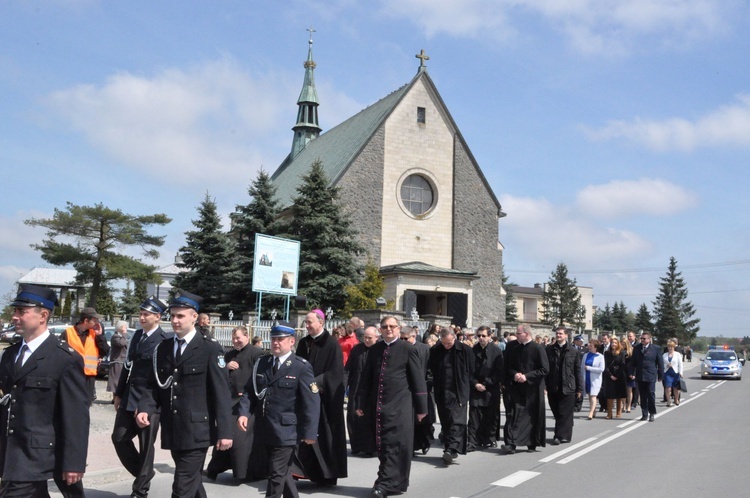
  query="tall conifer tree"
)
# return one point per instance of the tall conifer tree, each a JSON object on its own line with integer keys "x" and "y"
{"x": 673, "y": 313}
{"x": 561, "y": 301}
{"x": 208, "y": 257}
{"x": 328, "y": 247}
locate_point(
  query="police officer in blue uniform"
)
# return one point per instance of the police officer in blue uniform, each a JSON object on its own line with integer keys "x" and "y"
{"x": 132, "y": 386}
{"x": 44, "y": 417}
{"x": 284, "y": 397}
{"x": 190, "y": 387}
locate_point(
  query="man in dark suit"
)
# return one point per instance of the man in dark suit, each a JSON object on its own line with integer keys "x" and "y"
{"x": 646, "y": 368}
{"x": 132, "y": 386}
{"x": 564, "y": 384}
{"x": 283, "y": 395}
{"x": 361, "y": 429}
{"x": 484, "y": 403}
{"x": 240, "y": 360}
{"x": 45, "y": 412}
{"x": 452, "y": 366}
{"x": 189, "y": 383}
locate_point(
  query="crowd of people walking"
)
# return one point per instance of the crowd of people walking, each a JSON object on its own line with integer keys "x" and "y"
{"x": 284, "y": 414}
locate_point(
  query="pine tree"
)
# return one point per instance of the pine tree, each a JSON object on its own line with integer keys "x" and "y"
{"x": 98, "y": 232}
{"x": 208, "y": 256}
{"x": 603, "y": 318}
{"x": 511, "y": 309}
{"x": 67, "y": 305}
{"x": 132, "y": 297}
{"x": 257, "y": 217}
{"x": 673, "y": 313}
{"x": 643, "y": 320}
{"x": 328, "y": 247}
{"x": 561, "y": 301}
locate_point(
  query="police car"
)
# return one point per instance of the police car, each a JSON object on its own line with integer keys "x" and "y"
{"x": 722, "y": 361}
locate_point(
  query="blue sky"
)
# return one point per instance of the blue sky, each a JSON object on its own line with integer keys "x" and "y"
{"x": 615, "y": 133}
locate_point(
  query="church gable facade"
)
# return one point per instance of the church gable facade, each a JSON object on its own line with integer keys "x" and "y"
{"x": 422, "y": 207}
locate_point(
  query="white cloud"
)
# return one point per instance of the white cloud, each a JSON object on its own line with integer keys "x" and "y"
{"x": 182, "y": 123}
{"x": 214, "y": 118}
{"x": 728, "y": 125}
{"x": 621, "y": 198}
{"x": 549, "y": 233}
{"x": 591, "y": 26}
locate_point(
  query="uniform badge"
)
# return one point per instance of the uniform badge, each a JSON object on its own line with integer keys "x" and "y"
{"x": 314, "y": 388}
{"x": 222, "y": 363}
{"x": 288, "y": 362}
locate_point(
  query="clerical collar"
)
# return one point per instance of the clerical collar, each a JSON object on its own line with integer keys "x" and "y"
{"x": 525, "y": 343}
{"x": 316, "y": 336}
{"x": 394, "y": 340}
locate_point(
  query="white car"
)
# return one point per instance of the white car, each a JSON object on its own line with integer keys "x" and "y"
{"x": 721, "y": 363}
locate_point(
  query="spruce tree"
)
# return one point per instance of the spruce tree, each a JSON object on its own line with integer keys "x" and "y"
{"x": 208, "y": 256}
{"x": 328, "y": 247}
{"x": 603, "y": 318}
{"x": 257, "y": 217}
{"x": 673, "y": 313}
{"x": 643, "y": 320}
{"x": 561, "y": 301}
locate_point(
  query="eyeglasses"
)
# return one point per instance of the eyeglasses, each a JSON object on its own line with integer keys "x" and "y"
{"x": 392, "y": 327}
{"x": 644, "y": 338}
{"x": 405, "y": 338}
{"x": 482, "y": 335}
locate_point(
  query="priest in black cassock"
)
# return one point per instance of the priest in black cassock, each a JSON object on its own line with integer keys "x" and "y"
{"x": 393, "y": 383}
{"x": 423, "y": 429}
{"x": 452, "y": 366}
{"x": 484, "y": 403}
{"x": 325, "y": 461}
{"x": 526, "y": 367}
{"x": 361, "y": 429}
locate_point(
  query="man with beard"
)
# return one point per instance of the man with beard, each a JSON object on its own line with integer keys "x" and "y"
{"x": 361, "y": 436}
{"x": 484, "y": 401}
{"x": 423, "y": 429}
{"x": 526, "y": 366}
{"x": 564, "y": 384}
{"x": 393, "y": 385}
{"x": 239, "y": 360}
{"x": 132, "y": 386}
{"x": 325, "y": 461}
{"x": 452, "y": 366}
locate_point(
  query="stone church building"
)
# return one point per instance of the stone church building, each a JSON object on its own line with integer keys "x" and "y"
{"x": 414, "y": 191}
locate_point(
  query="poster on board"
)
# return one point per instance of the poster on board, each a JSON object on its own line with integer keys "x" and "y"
{"x": 276, "y": 265}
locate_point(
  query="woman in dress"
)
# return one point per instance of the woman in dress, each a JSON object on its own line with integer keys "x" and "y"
{"x": 592, "y": 366}
{"x": 672, "y": 372}
{"x": 615, "y": 377}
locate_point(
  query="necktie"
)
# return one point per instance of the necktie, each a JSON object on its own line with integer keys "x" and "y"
{"x": 19, "y": 360}
{"x": 178, "y": 354}
{"x": 275, "y": 366}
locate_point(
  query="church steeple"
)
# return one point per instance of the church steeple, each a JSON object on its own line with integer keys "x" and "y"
{"x": 307, "y": 128}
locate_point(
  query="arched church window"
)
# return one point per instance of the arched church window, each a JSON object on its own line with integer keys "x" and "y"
{"x": 417, "y": 194}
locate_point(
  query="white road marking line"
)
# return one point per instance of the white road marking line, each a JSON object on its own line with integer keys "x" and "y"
{"x": 621, "y": 433}
{"x": 516, "y": 478}
{"x": 567, "y": 450}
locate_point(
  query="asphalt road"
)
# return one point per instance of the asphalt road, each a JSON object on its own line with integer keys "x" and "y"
{"x": 695, "y": 449}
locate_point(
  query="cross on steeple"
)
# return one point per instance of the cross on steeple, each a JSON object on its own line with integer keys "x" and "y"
{"x": 422, "y": 57}
{"x": 311, "y": 30}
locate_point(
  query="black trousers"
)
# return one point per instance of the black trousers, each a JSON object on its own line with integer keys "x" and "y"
{"x": 483, "y": 424}
{"x": 280, "y": 481}
{"x": 139, "y": 462}
{"x": 91, "y": 387}
{"x": 38, "y": 489}
{"x": 563, "y": 407}
{"x": 648, "y": 397}
{"x": 188, "y": 464}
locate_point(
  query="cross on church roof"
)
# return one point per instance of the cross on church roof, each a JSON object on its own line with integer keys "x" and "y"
{"x": 422, "y": 57}
{"x": 311, "y": 30}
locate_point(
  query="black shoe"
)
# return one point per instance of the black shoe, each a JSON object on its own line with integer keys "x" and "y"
{"x": 565, "y": 441}
{"x": 493, "y": 444}
{"x": 378, "y": 493}
{"x": 425, "y": 450}
{"x": 210, "y": 475}
{"x": 508, "y": 448}
{"x": 651, "y": 418}
{"x": 555, "y": 441}
{"x": 447, "y": 457}
{"x": 532, "y": 449}
{"x": 470, "y": 448}
{"x": 644, "y": 418}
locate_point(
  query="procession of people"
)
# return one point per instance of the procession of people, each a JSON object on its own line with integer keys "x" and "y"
{"x": 284, "y": 414}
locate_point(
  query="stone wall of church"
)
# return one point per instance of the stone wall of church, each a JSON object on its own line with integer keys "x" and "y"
{"x": 361, "y": 190}
{"x": 475, "y": 239}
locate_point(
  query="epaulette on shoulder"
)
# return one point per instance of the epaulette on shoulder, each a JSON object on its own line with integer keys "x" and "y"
{"x": 64, "y": 346}
{"x": 300, "y": 359}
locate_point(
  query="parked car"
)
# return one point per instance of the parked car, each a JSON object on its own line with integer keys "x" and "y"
{"x": 9, "y": 335}
{"x": 57, "y": 328}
